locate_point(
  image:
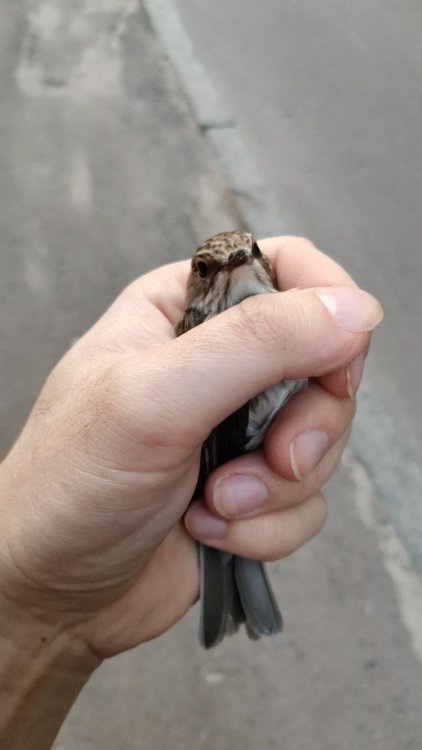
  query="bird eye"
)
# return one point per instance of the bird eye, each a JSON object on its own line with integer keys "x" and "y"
{"x": 202, "y": 269}
{"x": 256, "y": 251}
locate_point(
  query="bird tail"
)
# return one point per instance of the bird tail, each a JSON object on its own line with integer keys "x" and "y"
{"x": 235, "y": 590}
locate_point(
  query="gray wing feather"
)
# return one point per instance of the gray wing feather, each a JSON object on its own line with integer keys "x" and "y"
{"x": 259, "y": 604}
{"x": 221, "y": 612}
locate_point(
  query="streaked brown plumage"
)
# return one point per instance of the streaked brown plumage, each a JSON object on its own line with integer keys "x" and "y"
{"x": 226, "y": 269}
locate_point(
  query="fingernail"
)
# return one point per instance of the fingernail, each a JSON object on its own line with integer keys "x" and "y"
{"x": 354, "y": 373}
{"x": 239, "y": 494}
{"x": 306, "y": 451}
{"x": 204, "y": 524}
{"x": 353, "y": 309}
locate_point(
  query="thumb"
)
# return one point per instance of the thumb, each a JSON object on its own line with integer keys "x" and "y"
{"x": 212, "y": 370}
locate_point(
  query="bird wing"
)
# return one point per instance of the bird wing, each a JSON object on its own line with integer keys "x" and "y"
{"x": 225, "y": 442}
{"x": 193, "y": 316}
{"x": 221, "y": 609}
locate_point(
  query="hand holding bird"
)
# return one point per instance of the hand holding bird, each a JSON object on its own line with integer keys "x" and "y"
{"x": 98, "y": 539}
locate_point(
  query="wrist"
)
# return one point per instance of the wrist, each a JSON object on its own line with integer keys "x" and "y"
{"x": 42, "y": 670}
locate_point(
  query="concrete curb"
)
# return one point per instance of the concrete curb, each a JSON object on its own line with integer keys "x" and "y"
{"x": 256, "y": 204}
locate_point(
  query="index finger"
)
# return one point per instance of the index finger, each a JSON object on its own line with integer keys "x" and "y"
{"x": 298, "y": 263}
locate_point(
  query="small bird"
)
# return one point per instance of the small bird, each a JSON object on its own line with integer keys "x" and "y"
{"x": 225, "y": 270}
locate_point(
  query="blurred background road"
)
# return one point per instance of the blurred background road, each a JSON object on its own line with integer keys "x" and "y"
{"x": 104, "y": 173}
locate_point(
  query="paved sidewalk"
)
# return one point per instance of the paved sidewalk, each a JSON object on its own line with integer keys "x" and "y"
{"x": 103, "y": 175}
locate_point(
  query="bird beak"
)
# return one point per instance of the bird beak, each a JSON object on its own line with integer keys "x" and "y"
{"x": 236, "y": 259}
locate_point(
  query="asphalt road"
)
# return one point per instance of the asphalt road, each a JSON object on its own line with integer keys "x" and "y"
{"x": 328, "y": 98}
{"x": 103, "y": 175}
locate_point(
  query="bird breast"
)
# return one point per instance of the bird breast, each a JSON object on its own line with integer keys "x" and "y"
{"x": 264, "y": 407}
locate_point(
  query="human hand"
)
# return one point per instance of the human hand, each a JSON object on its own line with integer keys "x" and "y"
{"x": 94, "y": 492}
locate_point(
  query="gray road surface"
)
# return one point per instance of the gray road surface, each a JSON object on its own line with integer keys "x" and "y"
{"x": 104, "y": 174}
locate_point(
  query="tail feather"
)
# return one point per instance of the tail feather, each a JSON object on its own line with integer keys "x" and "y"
{"x": 217, "y": 596}
{"x": 234, "y": 591}
{"x": 259, "y": 604}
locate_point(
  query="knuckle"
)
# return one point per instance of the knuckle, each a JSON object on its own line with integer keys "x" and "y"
{"x": 297, "y": 242}
{"x": 321, "y": 513}
{"x": 287, "y": 532}
{"x": 121, "y": 392}
{"x": 277, "y": 538}
{"x": 315, "y": 517}
{"x": 259, "y": 320}
{"x": 130, "y": 397}
{"x": 338, "y": 416}
{"x": 351, "y": 410}
{"x": 107, "y": 392}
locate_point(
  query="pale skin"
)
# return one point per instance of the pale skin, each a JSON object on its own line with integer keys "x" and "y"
{"x": 98, "y": 553}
